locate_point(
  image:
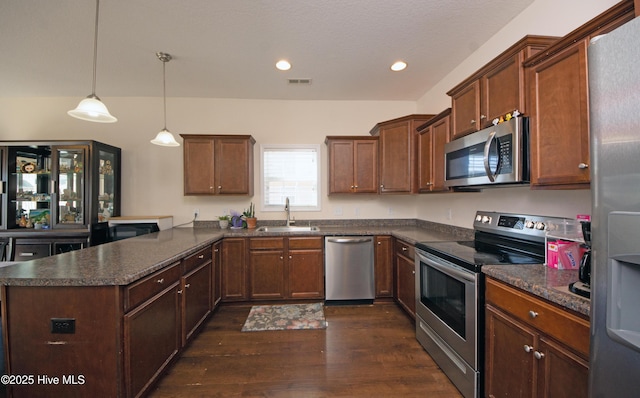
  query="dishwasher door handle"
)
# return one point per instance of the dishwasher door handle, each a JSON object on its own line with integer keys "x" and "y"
{"x": 349, "y": 240}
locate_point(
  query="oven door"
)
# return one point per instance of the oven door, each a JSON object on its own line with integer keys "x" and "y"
{"x": 447, "y": 301}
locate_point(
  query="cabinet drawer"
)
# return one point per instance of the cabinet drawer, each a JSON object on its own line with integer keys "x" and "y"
{"x": 196, "y": 259}
{"x": 266, "y": 243}
{"x": 26, "y": 252}
{"x": 148, "y": 287}
{"x": 560, "y": 324}
{"x": 405, "y": 249}
{"x": 307, "y": 242}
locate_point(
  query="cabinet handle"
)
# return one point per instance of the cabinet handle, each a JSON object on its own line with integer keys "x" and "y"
{"x": 290, "y": 257}
{"x": 473, "y": 121}
{"x": 528, "y": 348}
{"x": 281, "y": 258}
{"x": 356, "y": 187}
{"x": 533, "y": 314}
{"x": 482, "y": 117}
{"x": 404, "y": 249}
{"x": 216, "y": 250}
{"x": 381, "y": 185}
{"x": 538, "y": 355}
{"x": 161, "y": 280}
{"x": 179, "y": 291}
{"x": 583, "y": 166}
{"x": 353, "y": 186}
{"x": 219, "y": 187}
{"x": 413, "y": 272}
{"x": 429, "y": 184}
{"x": 379, "y": 243}
{"x": 210, "y": 187}
{"x": 187, "y": 285}
{"x": 201, "y": 256}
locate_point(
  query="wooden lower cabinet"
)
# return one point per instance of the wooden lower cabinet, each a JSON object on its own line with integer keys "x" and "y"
{"x": 234, "y": 278}
{"x": 196, "y": 300}
{"x": 533, "y": 348}
{"x": 216, "y": 274}
{"x": 404, "y": 254}
{"x": 384, "y": 266}
{"x": 286, "y": 268}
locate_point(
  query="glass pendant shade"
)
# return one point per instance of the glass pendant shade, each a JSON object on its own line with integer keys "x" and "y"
{"x": 92, "y": 110}
{"x": 165, "y": 138}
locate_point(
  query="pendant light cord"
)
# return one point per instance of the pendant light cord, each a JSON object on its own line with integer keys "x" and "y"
{"x": 95, "y": 50}
{"x": 164, "y": 90}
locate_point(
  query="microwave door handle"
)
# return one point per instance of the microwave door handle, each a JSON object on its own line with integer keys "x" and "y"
{"x": 487, "y": 148}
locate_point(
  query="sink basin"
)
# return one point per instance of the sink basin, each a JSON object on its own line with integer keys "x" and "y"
{"x": 291, "y": 228}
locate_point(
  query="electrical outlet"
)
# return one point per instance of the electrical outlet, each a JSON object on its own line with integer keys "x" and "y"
{"x": 390, "y": 211}
{"x": 337, "y": 211}
{"x": 63, "y": 325}
{"x": 449, "y": 214}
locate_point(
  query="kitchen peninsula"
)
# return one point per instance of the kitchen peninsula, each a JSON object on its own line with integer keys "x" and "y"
{"x": 124, "y": 310}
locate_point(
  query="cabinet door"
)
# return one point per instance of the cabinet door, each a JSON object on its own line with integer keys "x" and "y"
{"x": 305, "y": 274}
{"x": 198, "y": 166}
{"x": 384, "y": 266}
{"x": 196, "y": 299}
{"x": 508, "y": 364}
{"x": 3, "y": 191}
{"x": 216, "y": 275}
{"x": 70, "y": 180}
{"x": 440, "y": 136}
{"x": 406, "y": 284}
{"x": 559, "y": 122}
{"x": 341, "y": 166}
{"x": 396, "y": 158}
{"x": 425, "y": 160}
{"x": 234, "y": 166}
{"x": 366, "y": 166}
{"x": 234, "y": 282}
{"x": 465, "y": 111}
{"x": 502, "y": 90}
{"x": 266, "y": 274}
{"x": 108, "y": 184}
{"x": 152, "y": 339}
{"x": 561, "y": 373}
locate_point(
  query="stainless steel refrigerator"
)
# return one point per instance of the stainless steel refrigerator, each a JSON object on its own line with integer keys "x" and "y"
{"x": 614, "y": 101}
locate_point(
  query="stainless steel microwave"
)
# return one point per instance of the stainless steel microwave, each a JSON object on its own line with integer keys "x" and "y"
{"x": 496, "y": 155}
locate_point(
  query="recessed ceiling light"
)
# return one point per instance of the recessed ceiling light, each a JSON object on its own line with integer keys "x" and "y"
{"x": 283, "y": 65}
{"x": 398, "y": 66}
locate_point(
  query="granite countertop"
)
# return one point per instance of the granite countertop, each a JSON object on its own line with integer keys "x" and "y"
{"x": 125, "y": 261}
{"x": 542, "y": 281}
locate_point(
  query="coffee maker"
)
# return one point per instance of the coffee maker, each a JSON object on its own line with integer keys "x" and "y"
{"x": 583, "y": 286}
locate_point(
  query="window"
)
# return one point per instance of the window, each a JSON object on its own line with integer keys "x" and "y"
{"x": 290, "y": 171}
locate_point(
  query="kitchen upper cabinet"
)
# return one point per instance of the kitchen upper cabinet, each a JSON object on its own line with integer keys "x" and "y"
{"x": 218, "y": 164}
{"x": 533, "y": 348}
{"x": 431, "y": 139}
{"x": 384, "y": 266}
{"x": 234, "y": 277}
{"x": 405, "y": 293}
{"x": 494, "y": 90}
{"x": 353, "y": 164}
{"x": 397, "y": 156}
{"x": 558, "y": 92}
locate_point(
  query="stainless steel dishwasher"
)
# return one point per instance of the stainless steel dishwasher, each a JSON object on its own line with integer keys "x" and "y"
{"x": 349, "y": 275}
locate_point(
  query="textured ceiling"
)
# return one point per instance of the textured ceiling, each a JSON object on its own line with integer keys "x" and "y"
{"x": 228, "y": 48}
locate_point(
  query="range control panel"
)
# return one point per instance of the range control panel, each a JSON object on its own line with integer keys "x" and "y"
{"x": 526, "y": 226}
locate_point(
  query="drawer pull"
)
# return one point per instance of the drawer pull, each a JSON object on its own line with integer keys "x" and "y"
{"x": 528, "y": 348}
{"x": 404, "y": 249}
{"x": 201, "y": 256}
{"x": 179, "y": 291}
{"x": 187, "y": 285}
{"x": 27, "y": 254}
{"x": 538, "y": 355}
{"x": 533, "y": 314}
{"x": 583, "y": 166}
{"x": 160, "y": 281}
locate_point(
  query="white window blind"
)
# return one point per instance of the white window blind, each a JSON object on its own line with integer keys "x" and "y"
{"x": 290, "y": 171}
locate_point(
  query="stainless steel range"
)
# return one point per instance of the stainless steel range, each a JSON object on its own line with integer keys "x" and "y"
{"x": 450, "y": 290}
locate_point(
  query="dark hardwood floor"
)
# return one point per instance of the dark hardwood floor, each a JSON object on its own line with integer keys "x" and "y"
{"x": 366, "y": 351}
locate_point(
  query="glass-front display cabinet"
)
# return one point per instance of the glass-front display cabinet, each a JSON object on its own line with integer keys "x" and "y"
{"x": 59, "y": 186}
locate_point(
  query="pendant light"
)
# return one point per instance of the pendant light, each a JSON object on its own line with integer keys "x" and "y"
{"x": 91, "y": 108}
{"x": 164, "y": 137}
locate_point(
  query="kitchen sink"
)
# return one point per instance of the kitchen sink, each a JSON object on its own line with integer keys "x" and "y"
{"x": 291, "y": 228}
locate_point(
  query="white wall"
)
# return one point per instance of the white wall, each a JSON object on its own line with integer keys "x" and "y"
{"x": 152, "y": 176}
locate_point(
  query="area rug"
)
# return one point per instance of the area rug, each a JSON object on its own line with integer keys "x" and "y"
{"x": 285, "y": 317}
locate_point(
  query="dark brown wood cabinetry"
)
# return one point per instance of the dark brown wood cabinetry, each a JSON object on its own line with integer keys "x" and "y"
{"x": 494, "y": 90}
{"x": 405, "y": 293}
{"x": 397, "y": 159}
{"x": 384, "y": 266}
{"x": 196, "y": 292}
{"x": 431, "y": 139}
{"x": 218, "y": 164}
{"x": 533, "y": 348}
{"x": 557, "y": 80}
{"x": 216, "y": 275}
{"x": 353, "y": 164}
{"x": 286, "y": 268}
{"x": 234, "y": 277}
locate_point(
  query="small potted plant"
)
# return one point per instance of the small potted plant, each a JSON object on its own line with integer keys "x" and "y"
{"x": 250, "y": 216}
{"x": 224, "y": 221}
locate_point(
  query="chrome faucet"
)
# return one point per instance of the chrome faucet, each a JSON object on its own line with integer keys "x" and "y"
{"x": 287, "y": 208}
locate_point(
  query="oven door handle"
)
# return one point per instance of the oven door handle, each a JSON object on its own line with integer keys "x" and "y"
{"x": 487, "y": 167}
{"x": 448, "y": 270}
